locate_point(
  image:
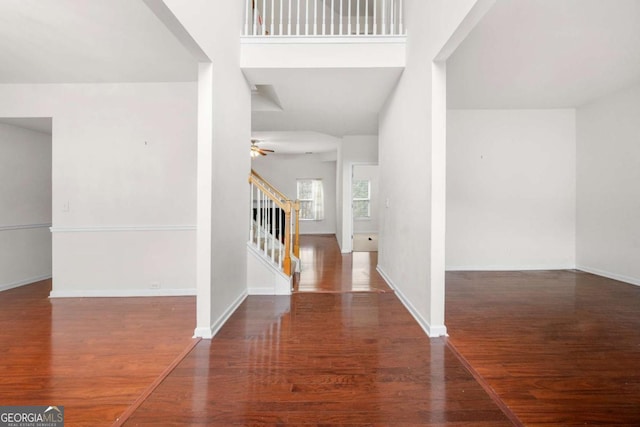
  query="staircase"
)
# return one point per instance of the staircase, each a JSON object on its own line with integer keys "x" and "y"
{"x": 273, "y": 246}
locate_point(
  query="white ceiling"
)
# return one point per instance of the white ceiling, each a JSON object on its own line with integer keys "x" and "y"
{"x": 546, "y": 54}
{"x": 78, "y": 41}
{"x": 38, "y": 124}
{"x": 297, "y": 142}
{"x": 331, "y": 101}
{"x": 316, "y": 107}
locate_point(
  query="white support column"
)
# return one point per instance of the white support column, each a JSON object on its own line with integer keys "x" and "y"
{"x": 438, "y": 195}
{"x": 204, "y": 201}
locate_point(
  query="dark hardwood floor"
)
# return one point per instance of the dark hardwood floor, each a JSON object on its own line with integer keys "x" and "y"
{"x": 341, "y": 351}
{"x": 94, "y": 356}
{"x": 325, "y": 269}
{"x": 560, "y": 348}
{"x": 557, "y": 348}
{"x": 321, "y": 359}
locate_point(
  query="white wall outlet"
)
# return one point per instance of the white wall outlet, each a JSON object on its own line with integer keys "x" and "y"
{"x": 65, "y": 206}
{"x": 155, "y": 285}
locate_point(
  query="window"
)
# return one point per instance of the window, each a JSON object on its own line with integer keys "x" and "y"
{"x": 311, "y": 199}
{"x": 361, "y": 199}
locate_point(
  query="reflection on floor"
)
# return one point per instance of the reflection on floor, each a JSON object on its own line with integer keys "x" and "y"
{"x": 326, "y": 269}
{"x": 560, "y": 348}
{"x": 316, "y": 359}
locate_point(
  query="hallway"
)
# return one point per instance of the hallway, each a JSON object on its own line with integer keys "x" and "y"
{"x": 341, "y": 351}
{"x": 325, "y": 269}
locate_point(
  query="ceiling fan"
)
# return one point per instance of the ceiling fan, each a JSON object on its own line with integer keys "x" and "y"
{"x": 257, "y": 151}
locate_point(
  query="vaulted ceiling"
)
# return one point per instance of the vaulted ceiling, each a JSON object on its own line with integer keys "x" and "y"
{"x": 71, "y": 41}
{"x": 546, "y": 54}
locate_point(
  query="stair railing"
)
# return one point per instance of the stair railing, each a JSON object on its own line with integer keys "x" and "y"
{"x": 318, "y": 18}
{"x": 274, "y": 226}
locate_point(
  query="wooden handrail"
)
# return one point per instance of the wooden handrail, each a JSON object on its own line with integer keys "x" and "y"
{"x": 254, "y": 175}
{"x": 284, "y": 205}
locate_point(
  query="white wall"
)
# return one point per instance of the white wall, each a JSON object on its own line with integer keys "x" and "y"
{"x": 608, "y": 226}
{"x": 405, "y": 138}
{"x": 25, "y": 206}
{"x": 123, "y": 171}
{"x": 511, "y": 189}
{"x": 283, "y": 170}
{"x": 216, "y": 28}
{"x": 352, "y": 150}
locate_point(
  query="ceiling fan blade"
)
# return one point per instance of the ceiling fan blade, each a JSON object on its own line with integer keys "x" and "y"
{"x": 261, "y": 153}
{"x": 267, "y": 150}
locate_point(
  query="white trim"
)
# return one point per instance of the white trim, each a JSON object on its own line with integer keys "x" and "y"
{"x": 112, "y": 228}
{"x": 320, "y": 39}
{"x": 279, "y": 275}
{"x": 318, "y": 233}
{"x": 123, "y": 293}
{"x": 609, "y": 275}
{"x": 23, "y": 226}
{"x": 432, "y": 331}
{"x": 208, "y": 333}
{"x": 508, "y": 268}
{"x": 30, "y": 280}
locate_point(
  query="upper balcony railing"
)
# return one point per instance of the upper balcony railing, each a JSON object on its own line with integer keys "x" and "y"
{"x": 323, "y": 18}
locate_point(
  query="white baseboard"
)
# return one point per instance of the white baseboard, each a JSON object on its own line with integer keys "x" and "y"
{"x": 122, "y": 293}
{"x": 508, "y": 267}
{"x": 17, "y": 284}
{"x": 434, "y": 331}
{"x": 279, "y": 290}
{"x": 210, "y": 332}
{"x": 609, "y": 275}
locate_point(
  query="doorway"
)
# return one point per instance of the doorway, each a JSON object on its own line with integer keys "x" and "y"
{"x": 364, "y": 203}
{"x": 25, "y": 201}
